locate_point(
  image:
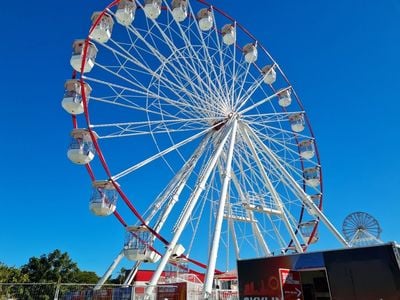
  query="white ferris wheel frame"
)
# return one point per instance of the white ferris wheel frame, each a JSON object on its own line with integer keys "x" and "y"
{"x": 233, "y": 121}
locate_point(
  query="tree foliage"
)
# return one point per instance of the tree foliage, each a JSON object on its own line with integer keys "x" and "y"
{"x": 11, "y": 274}
{"x": 53, "y": 267}
{"x": 49, "y": 270}
{"x": 86, "y": 277}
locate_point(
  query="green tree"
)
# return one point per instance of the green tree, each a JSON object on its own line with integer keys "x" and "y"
{"x": 11, "y": 274}
{"x": 49, "y": 269}
{"x": 53, "y": 267}
{"x": 86, "y": 277}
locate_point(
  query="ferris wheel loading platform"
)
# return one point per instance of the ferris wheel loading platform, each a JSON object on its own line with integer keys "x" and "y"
{"x": 366, "y": 273}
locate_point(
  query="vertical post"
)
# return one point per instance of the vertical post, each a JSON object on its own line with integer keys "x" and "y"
{"x": 220, "y": 215}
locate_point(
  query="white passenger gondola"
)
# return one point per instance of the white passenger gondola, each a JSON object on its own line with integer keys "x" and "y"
{"x": 78, "y": 55}
{"x": 306, "y": 149}
{"x": 179, "y": 10}
{"x": 306, "y": 229}
{"x": 103, "y": 24}
{"x": 250, "y": 53}
{"x": 104, "y": 198}
{"x": 228, "y": 34}
{"x": 152, "y": 8}
{"x": 312, "y": 176}
{"x": 316, "y": 198}
{"x": 285, "y": 98}
{"x": 81, "y": 150}
{"x": 125, "y": 13}
{"x": 297, "y": 122}
{"x": 269, "y": 74}
{"x": 205, "y": 18}
{"x": 72, "y": 101}
{"x": 138, "y": 245}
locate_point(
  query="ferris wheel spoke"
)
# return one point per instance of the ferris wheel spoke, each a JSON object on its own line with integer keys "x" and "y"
{"x": 243, "y": 78}
{"x": 295, "y": 224}
{"x": 299, "y": 191}
{"x": 211, "y": 107}
{"x": 244, "y": 166}
{"x": 277, "y": 140}
{"x": 160, "y": 154}
{"x": 141, "y": 89}
{"x": 370, "y": 224}
{"x": 262, "y": 101}
{"x": 193, "y": 54}
{"x": 273, "y": 192}
{"x": 277, "y": 161}
{"x": 198, "y": 213}
{"x": 176, "y": 69}
{"x": 189, "y": 61}
{"x": 233, "y": 77}
{"x": 123, "y": 133}
{"x": 258, "y": 202}
{"x": 251, "y": 179}
{"x": 274, "y": 117}
{"x": 285, "y": 163}
{"x": 223, "y": 75}
{"x": 129, "y": 104}
{"x": 205, "y": 48}
{"x": 207, "y": 55}
{"x": 132, "y": 105}
{"x": 249, "y": 92}
{"x": 175, "y": 103}
{"x": 175, "y": 187}
{"x": 128, "y": 57}
{"x": 247, "y": 165}
{"x": 181, "y": 123}
{"x": 170, "y": 85}
{"x": 278, "y": 235}
{"x": 275, "y": 131}
{"x": 250, "y": 214}
{"x": 253, "y": 184}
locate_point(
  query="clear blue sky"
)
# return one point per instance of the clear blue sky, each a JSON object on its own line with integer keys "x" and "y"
{"x": 342, "y": 57}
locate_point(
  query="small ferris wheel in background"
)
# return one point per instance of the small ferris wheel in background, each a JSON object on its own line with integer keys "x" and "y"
{"x": 361, "y": 229}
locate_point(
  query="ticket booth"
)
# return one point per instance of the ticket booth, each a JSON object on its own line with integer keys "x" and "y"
{"x": 366, "y": 273}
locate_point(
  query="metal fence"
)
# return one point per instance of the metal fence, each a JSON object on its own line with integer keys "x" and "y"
{"x": 73, "y": 291}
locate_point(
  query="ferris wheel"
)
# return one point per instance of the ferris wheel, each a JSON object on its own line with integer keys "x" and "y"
{"x": 361, "y": 229}
{"x": 183, "y": 119}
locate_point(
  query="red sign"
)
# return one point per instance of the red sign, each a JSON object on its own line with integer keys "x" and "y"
{"x": 173, "y": 291}
{"x": 290, "y": 284}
